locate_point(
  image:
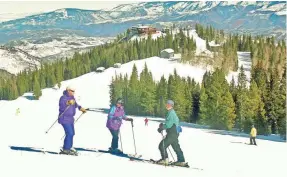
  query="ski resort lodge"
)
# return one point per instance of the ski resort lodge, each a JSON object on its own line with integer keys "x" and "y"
{"x": 167, "y": 53}
{"x": 143, "y": 30}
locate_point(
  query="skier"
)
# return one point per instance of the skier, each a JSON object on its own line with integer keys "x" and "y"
{"x": 253, "y": 134}
{"x": 114, "y": 122}
{"x": 67, "y": 107}
{"x": 173, "y": 129}
{"x": 17, "y": 111}
{"x": 146, "y": 122}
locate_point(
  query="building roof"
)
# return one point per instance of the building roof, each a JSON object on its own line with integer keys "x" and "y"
{"x": 142, "y": 27}
{"x": 168, "y": 50}
{"x": 101, "y": 68}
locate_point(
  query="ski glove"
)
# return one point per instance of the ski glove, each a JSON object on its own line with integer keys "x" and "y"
{"x": 70, "y": 102}
{"x": 129, "y": 119}
{"x": 160, "y": 128}
{"x": 83, "y": 110}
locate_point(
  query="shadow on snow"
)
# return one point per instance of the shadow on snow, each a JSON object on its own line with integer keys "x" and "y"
{"x": 274, "y": 138}
{"x": 31, "y": 149}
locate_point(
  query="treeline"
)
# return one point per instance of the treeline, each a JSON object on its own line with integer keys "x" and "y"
{"x": 106, "y": 56}
{"x": 214, "y": 102}
{"x": 223, "y": 56}
{"x": 266, "y": 52}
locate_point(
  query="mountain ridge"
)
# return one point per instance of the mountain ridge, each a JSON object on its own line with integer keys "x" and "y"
{"x": 269, "y": 16}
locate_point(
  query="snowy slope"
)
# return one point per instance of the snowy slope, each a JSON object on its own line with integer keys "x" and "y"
{"x": 45, "y": 49}
{"x": 216, "y": 154}
{"x": 244, "y": 59}
{"x": 55, "y": 46}
{"x": 16, "y": 61}
{"x": 200, "y": 43}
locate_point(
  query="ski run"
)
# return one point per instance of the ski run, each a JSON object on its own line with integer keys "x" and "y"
{"x": 208, "y": 152}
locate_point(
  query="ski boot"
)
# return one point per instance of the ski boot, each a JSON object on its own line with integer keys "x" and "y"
{"x": 181, "y": 164}
{"x": 115, "y": 151}
{"x": 74, "y": 151}
{"x": 162, "y": 162}
{"x": 68, "y": 152}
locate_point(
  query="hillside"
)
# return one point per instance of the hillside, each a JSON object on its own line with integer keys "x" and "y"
{"x": 229, "y": 156}
{"x": 17, "y": 56}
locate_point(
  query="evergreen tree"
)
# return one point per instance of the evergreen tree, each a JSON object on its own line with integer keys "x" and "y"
{"x": 36, "y": 88}
{"x": 218, "y": 108}
{"x": 147, "y": 98}
{"x": 195, "y": 103}
{"x": 281, "y": 120}
{"x": 133, "y": 93}
{"x": 161, "y": 97}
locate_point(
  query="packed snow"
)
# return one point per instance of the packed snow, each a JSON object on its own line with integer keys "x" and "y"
{"x": 217, "y": 153}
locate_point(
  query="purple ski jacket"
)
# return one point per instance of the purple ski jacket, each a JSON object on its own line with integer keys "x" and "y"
{"x": 68, "y": 116}
{"x": 115, "y": 117}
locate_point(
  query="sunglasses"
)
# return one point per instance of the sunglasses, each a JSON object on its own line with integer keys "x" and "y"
{"x": 72, "y": 91}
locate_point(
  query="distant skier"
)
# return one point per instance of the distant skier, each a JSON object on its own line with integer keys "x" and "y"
{"x": 173, "y": 129}
{"x": 253, "y": 134}
{"x": 67, "y": 107}
{"x": 146, "y": 122}
{"x": 17, "y": 111}
{"x": 114, "y": 122}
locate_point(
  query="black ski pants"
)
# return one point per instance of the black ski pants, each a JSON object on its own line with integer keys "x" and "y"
{"x": 252, "y": 141}
{"x": 173, "y": 141}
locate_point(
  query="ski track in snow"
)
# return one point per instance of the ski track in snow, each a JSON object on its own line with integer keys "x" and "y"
{"x": 244, "y": 59}
{"x": 218, "y": 155}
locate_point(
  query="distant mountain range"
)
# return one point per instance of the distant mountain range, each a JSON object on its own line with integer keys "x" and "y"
{"x": 25, "y": 42}
{"x": 16, "y": 56}
{"x": 267, "y": 18}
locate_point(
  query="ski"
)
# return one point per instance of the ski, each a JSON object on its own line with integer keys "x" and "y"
{"x": 170, "y": 164}
{"x": 121, "y": 154}
{"x": 134, "y": 155}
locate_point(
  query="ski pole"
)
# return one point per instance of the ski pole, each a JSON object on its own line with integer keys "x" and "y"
{"x": 121, "y": 140}
{"x": 168, "y": 148}
{"x": 163, "y": 148}
{"x": 74, "y": 123}
{"x": 134, "y": 137}
{"x": 57, "y": 119}
{"x": 93, "y": 109}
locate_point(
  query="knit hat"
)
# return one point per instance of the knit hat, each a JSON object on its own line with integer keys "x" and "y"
{"x": 71, "y": 87}
{"x": 170, "y": 102}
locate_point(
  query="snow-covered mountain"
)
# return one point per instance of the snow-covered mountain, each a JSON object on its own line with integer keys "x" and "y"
{"x": 59, "y": 33}
{"x": 252, "y": 17}
{"x": 16, "y": 56}
{"x": 209, "y": 152}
